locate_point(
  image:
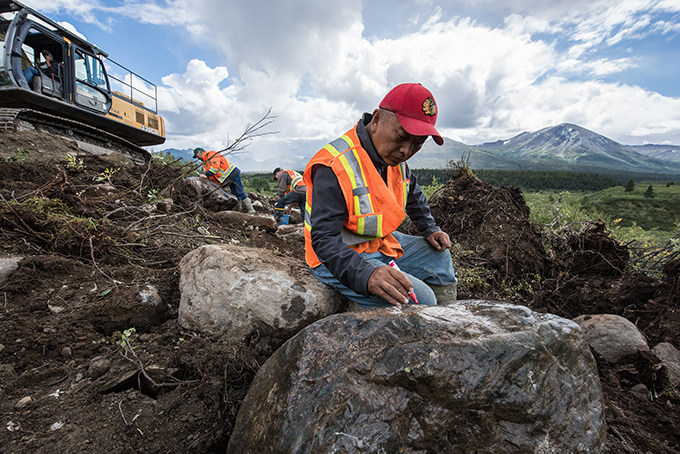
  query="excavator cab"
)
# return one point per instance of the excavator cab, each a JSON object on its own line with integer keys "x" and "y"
{"x": 78, "y": 88}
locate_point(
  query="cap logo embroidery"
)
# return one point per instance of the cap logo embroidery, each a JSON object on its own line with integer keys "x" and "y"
{"x": 429, "y": 107}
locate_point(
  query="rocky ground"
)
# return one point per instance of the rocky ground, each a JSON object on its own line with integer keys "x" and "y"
{"x": 100, "y": 256}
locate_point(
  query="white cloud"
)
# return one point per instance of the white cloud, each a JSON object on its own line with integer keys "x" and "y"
{"x": 624, "y": 113}
{"x": 84, "y": 10}
{"x": 319, "y": 65}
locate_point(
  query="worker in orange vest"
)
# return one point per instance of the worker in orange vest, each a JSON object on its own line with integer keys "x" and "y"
{"x": 359, "y": 190}
{"x": 226, "y": 174}
{"x": 291, "y": 190}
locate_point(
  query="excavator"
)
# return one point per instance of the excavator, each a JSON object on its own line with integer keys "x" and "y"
{"x": 86, "y": 96}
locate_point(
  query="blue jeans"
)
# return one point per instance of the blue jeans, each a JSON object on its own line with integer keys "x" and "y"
{"x": 236, "y": 187}
{"x": 29, "y": 72}
{"x": 421, "y": 263}
{"x": 291, "y": 197}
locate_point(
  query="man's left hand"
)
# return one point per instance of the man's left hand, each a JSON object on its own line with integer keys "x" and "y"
{"x": 439, "y": 240}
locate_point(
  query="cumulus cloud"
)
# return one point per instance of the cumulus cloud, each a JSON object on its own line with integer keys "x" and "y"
{"x": 496, "y": 70}
{"x": 613, "y": 110}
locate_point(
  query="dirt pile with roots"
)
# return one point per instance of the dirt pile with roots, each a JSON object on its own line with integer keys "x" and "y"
{"x": 95, "y": 233}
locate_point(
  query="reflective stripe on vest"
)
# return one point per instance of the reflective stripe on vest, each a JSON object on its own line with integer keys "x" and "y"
{"x": 218, "y": 165}
{"x": 369, "y": 226}
{"x": 296, "y": 180}
{"x": 375, "y": 206}
{"x": 406, "y": 183}
{"x": 334, "y": 148}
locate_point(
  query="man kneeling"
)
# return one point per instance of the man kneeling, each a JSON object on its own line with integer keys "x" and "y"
{"x": 359, "y": 190}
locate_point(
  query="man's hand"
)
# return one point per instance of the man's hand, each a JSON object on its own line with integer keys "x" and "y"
{"x": 202, "y": 175}
{"x": 439, "y": 240}
{"x": 391, "y": 285}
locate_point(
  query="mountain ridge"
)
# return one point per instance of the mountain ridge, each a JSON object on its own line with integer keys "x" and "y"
{"x": 565, "y": 146}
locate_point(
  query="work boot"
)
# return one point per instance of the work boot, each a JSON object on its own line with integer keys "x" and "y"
{"x": 445, "y": 293}
{"x": 248, "y": 205}
{"x": 238, "y": 207}
{"x": 278, "y": 214}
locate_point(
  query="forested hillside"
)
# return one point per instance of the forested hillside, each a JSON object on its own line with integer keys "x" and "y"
{"x": 539, "y": 180}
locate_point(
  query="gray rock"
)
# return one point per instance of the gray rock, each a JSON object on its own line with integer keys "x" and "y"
{"x": 264, "y": 222}
{"x": 210, "y": 194}
{"x": 640, "y": 390}
{"x": 225, "y": 287}
{"x": 291, "y": 232}
{"x": 98, "y": 367}
{"x": 473, "y": 376}
{"x": 149, "y": 295}
{"x": 23, "y": 402}
{"x": 66, "y": 352}
{"x": 8, "y": 265}
{"x": 611, "y": 336}
{"x": 670, "y": 356}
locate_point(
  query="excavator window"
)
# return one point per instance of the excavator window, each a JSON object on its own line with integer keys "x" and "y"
{"x": 92, "y": 87}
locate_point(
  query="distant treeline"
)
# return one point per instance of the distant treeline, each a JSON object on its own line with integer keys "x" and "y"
{"x": 538, "y": 180}
{"x": 528, "y": 180}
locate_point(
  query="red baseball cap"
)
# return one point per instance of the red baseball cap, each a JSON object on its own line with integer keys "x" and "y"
{"x": 416, "y": 110}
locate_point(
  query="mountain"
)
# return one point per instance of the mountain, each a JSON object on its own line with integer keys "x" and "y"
{"x": 565, "y": 147}
{"x": 662, "y": 152}
{"x": 571, "y": 147}
{"x": 432, "y": 156}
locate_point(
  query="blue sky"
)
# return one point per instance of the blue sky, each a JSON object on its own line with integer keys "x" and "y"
{"x": 496, "y": 67}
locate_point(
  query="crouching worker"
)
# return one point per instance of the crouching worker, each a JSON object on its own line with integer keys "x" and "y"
{"x": 291, "y": 190}
{"x": 226, "y": 174}
{"x": 359, "y": 190}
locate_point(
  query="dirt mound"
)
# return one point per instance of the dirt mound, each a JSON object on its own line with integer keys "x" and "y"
{"x": 594, "y": 252}
{"x": 492, "y": 222}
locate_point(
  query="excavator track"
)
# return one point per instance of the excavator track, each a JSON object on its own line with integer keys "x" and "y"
{"x": 89, "y": 138}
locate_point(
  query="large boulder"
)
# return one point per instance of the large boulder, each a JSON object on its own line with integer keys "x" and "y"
{"x": 472, "y": 376}
{"x": 612, "y": 336}
{"x": 226, "y": 287}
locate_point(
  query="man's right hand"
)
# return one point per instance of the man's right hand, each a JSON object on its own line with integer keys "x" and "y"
{"x": 390, "y": 284}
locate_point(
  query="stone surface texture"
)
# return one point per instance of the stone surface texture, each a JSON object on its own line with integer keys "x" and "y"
{"x": 670, "y": 356}
{"x": 611, "y": 336}
{"x": 213, "y": 197}
{"x": 472, "y": 376}
{"x": 8, "y": 265}
{"x": 225, "y": 287}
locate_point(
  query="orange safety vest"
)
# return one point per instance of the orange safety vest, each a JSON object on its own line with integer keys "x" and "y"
{"x": 375, "y": 209}
{"x": 296, "y": 180}
{"x": 218, "y": 165}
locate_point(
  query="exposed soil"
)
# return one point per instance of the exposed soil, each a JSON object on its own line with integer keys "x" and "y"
{"x": 91, "y": 249}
